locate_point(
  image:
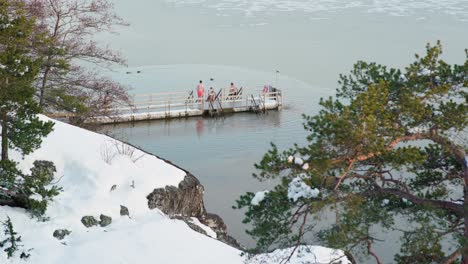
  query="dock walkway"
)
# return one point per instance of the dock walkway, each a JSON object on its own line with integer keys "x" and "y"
{"x": 186, "y": 104}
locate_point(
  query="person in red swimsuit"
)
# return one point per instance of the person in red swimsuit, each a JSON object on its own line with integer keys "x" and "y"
{"x": 200, "y": 91}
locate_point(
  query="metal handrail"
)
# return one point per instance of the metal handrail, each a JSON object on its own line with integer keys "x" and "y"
{"x": 185, "y": 100}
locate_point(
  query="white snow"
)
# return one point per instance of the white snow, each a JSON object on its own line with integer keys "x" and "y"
{"x": 419, "y": 129}
{"x": 259, "y": 196}
{"x": 425, "y": 72}
{"x": 88, "y": 166}
{"x": 36, "y": 197}
{"x": 299, "y": 189}
{"x": 298, "y": 161}
{"x": 305, "y": 166}
{"x": 302, "y": 255}
{"x": 385, "y": 202}
{"x": 207, "y": 229}
{"x": 85, "y": 176}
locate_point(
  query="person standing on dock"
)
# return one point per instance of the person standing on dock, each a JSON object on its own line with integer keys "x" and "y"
{"x": 211, "y": 95}
{"x": 200, "y": 91}
{"x": 233, "y": 90}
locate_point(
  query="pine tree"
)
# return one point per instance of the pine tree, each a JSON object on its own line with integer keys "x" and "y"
{"x": 21, "y": 129}
{"x": 11, "y": 242}
{"x": 389, "y": 149}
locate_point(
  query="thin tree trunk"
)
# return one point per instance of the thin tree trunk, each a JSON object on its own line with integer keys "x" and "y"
{"x": 4, "y": 137}
{"x": 465, "y": 215}
{"x": 44, "y": 81}
{"x": 3, "y": 122}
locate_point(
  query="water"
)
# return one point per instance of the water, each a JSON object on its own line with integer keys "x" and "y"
{"x": 220, "y": 152}
{"x": 309, "y": 42}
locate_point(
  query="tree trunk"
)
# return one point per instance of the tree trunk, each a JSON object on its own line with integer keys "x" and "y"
{"x": 3, "y": 122}
{"x": 43, "y": 85}
{"x": 465, "y": 214}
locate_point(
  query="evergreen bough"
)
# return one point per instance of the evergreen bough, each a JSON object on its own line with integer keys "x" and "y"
{"x": 388, "y": 154}
{"x": 12, "y": 242}
{"x": 21, "y": 128}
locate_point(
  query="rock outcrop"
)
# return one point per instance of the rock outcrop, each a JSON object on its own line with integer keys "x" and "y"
{"x": 186, "y": 201}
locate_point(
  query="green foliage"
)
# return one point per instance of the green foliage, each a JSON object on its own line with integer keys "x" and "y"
{"x": 22, "y": 129}
{"x": 269, "y": 218}
{"x": 12, "y": 242}
{"x": 422, "y": 245}
{"x": 387, "y": 149}
{"x": 33, "y": 191}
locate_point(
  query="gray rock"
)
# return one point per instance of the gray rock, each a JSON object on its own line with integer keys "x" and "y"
{"x": 185, "y": 200}
{"x": 216, "y": 223}
{"x": 61, "y": 233}
{"x": 105, "y": 220}
{"x": 191, "y": 224}
{"x": 124, "y": 211}
{"x": 89, "y": 221}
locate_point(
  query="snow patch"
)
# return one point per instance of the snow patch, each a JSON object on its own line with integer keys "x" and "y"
{"x": 303, "y": 255}
{"x": 259, "y": 197}
{"x": 299, "y": 189}
{"x": 207, "y": 229}
{"x": 298, "y": 161}
{"x": 295, "y": 160}
{"x": 385, "y": 202}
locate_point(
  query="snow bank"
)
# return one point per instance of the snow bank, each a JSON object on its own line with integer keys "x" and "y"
{"x": 89, "y": 165}
{"x": 302, "y": 255}
{"x": 98, "y": 174}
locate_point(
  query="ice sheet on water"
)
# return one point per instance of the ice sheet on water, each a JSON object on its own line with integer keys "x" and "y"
{"x": 455, "y": 8}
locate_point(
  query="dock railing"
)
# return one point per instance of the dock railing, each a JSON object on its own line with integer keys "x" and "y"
{"x": 169, "y": 101}
{"x": 186, "y": 103}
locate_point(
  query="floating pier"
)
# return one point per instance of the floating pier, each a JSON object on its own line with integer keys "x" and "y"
{"x": 185, "y": 104}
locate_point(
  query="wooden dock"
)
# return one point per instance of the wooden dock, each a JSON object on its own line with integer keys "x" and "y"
{"x": 185, "y": 104}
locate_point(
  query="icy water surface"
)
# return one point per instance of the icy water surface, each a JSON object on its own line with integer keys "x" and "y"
{"x": 309, "y": 42}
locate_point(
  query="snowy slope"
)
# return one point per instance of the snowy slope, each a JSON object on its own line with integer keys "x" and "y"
{"x": 88, "y": 166}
